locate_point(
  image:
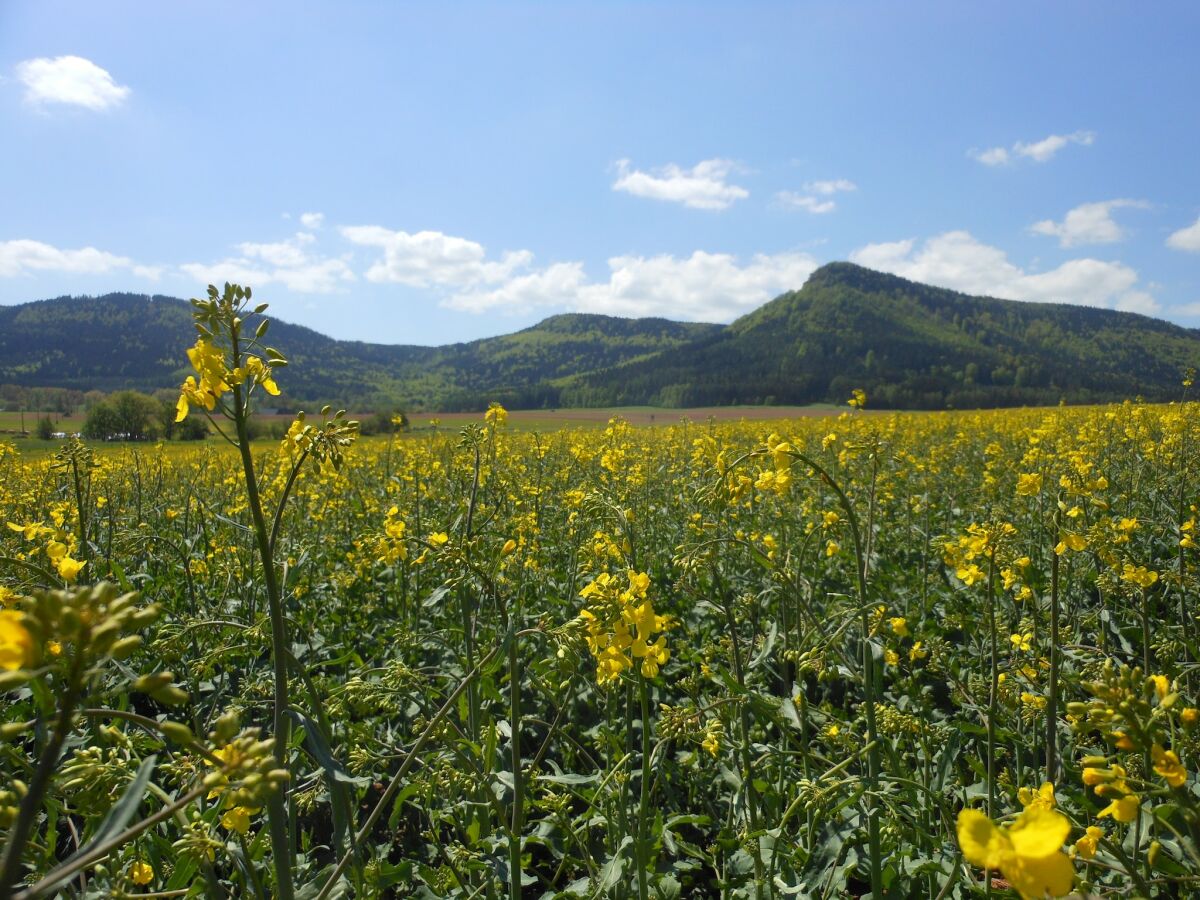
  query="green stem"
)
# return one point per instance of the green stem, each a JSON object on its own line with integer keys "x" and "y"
{"x": 994, "y": 688}
{"x": 518, "y": 824}
{"x": 1055, "y": 661}
{"x": 277, "y": 816}
{"x": 643, "y": 806}
{"x": 18, "y": 836}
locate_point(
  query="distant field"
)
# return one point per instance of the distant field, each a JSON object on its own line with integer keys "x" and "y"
{"x": 518, "y": 420}
{"x": 10, "y": 422}
{"x": 635, "y": 415}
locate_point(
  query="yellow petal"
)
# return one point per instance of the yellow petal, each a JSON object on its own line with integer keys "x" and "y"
{"x": 1035, "y": 878}
{"x": 1038, "y": 832}
{"x": 982, "y": 843}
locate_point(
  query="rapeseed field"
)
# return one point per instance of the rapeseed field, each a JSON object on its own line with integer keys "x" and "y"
{"x": 903, "y": 655}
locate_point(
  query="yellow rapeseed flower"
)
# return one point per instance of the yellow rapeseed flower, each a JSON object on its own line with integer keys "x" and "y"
{"x": 1029, "y": 485}
{"x": 141, "y": 873}
{"x": 16, "y": 643}
{"x": 237, "y": 819}
{"x": 1122, "y": 809}
{"x": 496, "y": 414}
{"x": 1086, "y": 846}
{"x": 1042, "y": 798}
{"x": 1167, "y": 764}
{"x": 1027, "y": 853}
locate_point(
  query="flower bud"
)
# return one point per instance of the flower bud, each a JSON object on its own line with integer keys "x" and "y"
{"x": 177, "y": 732}
{"x": 171, "y": 695}
{"x": 148, "y": 684}
{"x": 125, "y": 646}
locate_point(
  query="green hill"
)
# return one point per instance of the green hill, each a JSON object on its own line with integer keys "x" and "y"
{"x": 134, "y": 341}
{"x": 909, "y": 345}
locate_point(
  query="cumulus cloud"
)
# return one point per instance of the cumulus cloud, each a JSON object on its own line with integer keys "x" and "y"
{"x": 708, "y": 287}
{"x": 1038, "y": 151}
{"x": 291, "y": 263}
{"x": 26, "y": 257}
{"x": 556, "y": 285}
{"x": 1186, "y": 238}
{"x": 704, "y": 186}
{"x": 429, "y": 258}
{"x": 817, "y": 196}
{"x": 1089, "y": 223}
{"x": 312, "y": 220}
{"x": 958, "y": 261}
{"x": 70, "y": 80}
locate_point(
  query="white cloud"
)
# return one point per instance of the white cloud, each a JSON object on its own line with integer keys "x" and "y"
{"x": 793, "y": 200}
{"x": 150, "y": 273}
{"x": 1089, "y": 223}
{"x": 71, "y": 80}
{"x": 1047, "y": 147}
{"x": 994, "y": 156}
{"x": 290, "y": 263}
{"x": 817, "y": 197}
{"x": 834, "y": 186}
{"x": 704, "y": 186}
{"x": 429, "y": 258}
{"x": 1039, "y": 151}
{"x": 312, "y": 220}
{"x": 1186, "y": 238}
{"x": 710, "y": 287}
{"x": 556, "y": 285}
{"x": 958, "y": 261}
{"x": 25, "y": 257}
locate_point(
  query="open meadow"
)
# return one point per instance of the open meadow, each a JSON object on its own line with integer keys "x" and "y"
{"x": 704, "y": 659}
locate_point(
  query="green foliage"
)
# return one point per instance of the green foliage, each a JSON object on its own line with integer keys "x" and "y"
{"x": 126, "y": 415}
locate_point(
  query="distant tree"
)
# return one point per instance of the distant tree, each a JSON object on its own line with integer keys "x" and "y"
{"x": 126, "y": 413}
{"x": 136, "y": 413}
{"x": 193, "y": 428}
{"x": 45, "y": 428}
{"x": 166, "y": 400}
{"x": 101, "y": 422}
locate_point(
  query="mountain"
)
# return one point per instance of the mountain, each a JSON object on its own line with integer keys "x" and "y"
{"x": 135, "y": 341}
{"x": 908, "y": 345}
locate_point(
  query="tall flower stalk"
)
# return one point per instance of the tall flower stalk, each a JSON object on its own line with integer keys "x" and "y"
{"x": 230, "y": 367}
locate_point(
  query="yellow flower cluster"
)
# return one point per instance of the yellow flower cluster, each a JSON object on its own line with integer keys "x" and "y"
{"x": 496, "y": 414}
{"x": 621, "y": 625}
{"x": 216, "y": 378}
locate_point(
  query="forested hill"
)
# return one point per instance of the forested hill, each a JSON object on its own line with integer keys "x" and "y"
{"x": 133, "y": 341}
{"x": 909, "y": 345}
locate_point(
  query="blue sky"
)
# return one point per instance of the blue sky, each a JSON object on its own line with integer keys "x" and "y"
{"x": 428, "y": 173}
